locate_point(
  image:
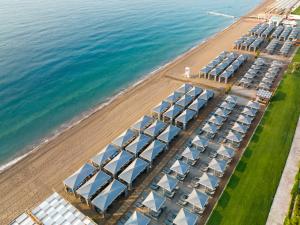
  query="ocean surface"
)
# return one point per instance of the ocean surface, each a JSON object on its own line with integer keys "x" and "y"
{"x": 60, "y": 59}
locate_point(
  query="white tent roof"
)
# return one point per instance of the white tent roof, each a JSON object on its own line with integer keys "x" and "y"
{"x": 191, "y": 153}
{"x": 23, "y": 219}
{"x": 184, "y": 101}
{"x": 55, "y": 210}
{"x": 138, "y": 144}
{"x": 186, "y": 116}
{"x": 221, "y": 112}
{"x": 234, "y": 137}
{"x": 239, "y": 128}
{"x": 125, "y": 138}
{"x": 184, "y": 88}
{"x": 206, "y": 95}
{"x": 161, "y": 107}
{"x": 153, "y": 150}
{"x": 210, "y": 128}
{"x": 77, "y": 179}
{"x": 226, "y": 105}
{"x": 197, "y": 104}
{"x": 180, "y": 167}
{"x": 249, "y": 112}
{"x": 206, "y": 69}
{"x": 209, "y": 181}
{"x": 174, "y": 97}
{"x": 168, "y": 183}
{"x": 173, "y": 112}
{"x": 133, "y": 170}
{"x": 253, "y": 105}
{"x": 142, "y": 123}
{"x": 195, "y": 91}
{"x": 115, "y": 165}
{"x": 137, "y": 218}
{"x": 156, "y": 128}
{"x": 244, "y": 119}
{"x": 105, "y": 155}
{"x": 218, "y": 165}
{"x": 93, "y": 185}
{"x": 197, "y": 199}
{"x": 103, "y": 200}
{"x": 226, "y": 151}
{"x": 200, "y": 141}
{"x": 185, "y": 217}
{"x": 154, "y": 201}
{"x": 216, "y": 120}
{"x": 169, "y": 134}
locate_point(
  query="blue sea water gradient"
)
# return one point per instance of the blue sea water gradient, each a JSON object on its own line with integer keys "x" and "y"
{"x": 60, "y": 58}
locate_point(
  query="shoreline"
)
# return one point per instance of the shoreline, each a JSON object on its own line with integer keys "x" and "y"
{"x": 35, "y": 176}
{"x": 30, "y": 149}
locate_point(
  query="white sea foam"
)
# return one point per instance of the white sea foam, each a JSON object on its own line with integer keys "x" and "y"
{"x": 221, "y": 14}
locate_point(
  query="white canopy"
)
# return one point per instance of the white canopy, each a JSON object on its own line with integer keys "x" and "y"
{"x": 185, "y": 217}
{"x": 161, "y": 107}
{"x": 210, "y": 128}
{"x": 198, "y": 199}
{"x": 74, "y": 181}
{"x": 180, "y": 167}
{"x": 174, "y": 97}
{"x": 105, "y": 155}
{"x": 226, "y": 151}
{"x": 191, "y": 153}
{"x": 226, "y": 105}
{"x": 186, "y": 116}
{"x": 195, "y": 92}
{"x": 142, "y": 123}
{"x": 216, "y": 120}
{"x": 154, "y": 201}
{"x": 197, "y": 104}
{"x": 156, "y": 128}
{"x": 103, "y": 200}
{"x": 168, "y": 183}
{"x": 249, "y": 112}
{"x": 133, "y": 170}
{"x": 184, "y": 88}
{"x": 137, "y": 218}
{"x": 184, "y": 101}
{"x": 173, "y": 112}
{"x": 125, "y": 138}
{"x": 239, "y": 128}
{"x": 200, "y": 141}
{"x": 244, "y": 119}
{"x": 153, "y": 150}
{"x": 206, "y": 95}
{"x": 138, "y": 144}
{"x": 221, "y": 112}
{"x": 234, "y": 137}
{"x": 169, "y": 134}
{"x": 253, "y": 105}
{"x": 218, "y": 165}
{"x": 209, "y": 181}
{"x": 115, "y": 165}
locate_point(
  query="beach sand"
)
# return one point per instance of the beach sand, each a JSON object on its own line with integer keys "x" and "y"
{"x": 36, "y": 176}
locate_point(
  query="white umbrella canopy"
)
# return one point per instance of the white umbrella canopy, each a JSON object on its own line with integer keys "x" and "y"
{"x": 125, "y": 138}
{"x": 184, "y": 101}
{"x": 180, "y": 167}
{"x": 239, "y": 128}
{"x": 209, "y": 181}
{"x": 142, "y": 123}
{"x": 174, "y": 97}
{"x": 226, "y": 151}
{"x": 210, "y": 128}
{"x": 195, "y": 91}
{"x": 197, "y": 104}
{"x": 137, "y": 218}
{"x": 168, "y": 183}
{"x": 231, "y": 99}
{"x": 173, "y": 112}
{"x": 249, "y": 112}
{"x": 234, "y": 137}
{"x": 156, "y": 128}
{"x": 249, "y": 76}
{"x": 206, "y": 69}
{"x": 198, "y": 199}
{"x": 184, "y": 88}
{"x": 153, "y": 150}
{"x": 105, "y": 155}
{"x": 216, "y": 120}
{"x": 191, "y": 153}
{"x": 185, "y": 217}
{"x": 161, "y": 107}
{"x": 244, "y": 119}
{"x": 218, "y": 165}
{"x": 200, "y": 141}
{"x": 186, "y": 116}
{"x": 221, "y": 112}
{"x": 206, "y": 95}
{"x": 226, "y": 105}
{"x": 169, "y": 134}
{"x": 216, "y": 71}
{"x": 154, "y": 201}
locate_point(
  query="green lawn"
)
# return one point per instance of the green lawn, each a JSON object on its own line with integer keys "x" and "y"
{"x": 248, "y": 197}
{"x": 296, "y": 11}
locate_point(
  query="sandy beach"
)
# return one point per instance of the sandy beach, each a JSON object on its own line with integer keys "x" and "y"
{"x": 35, "y": 177}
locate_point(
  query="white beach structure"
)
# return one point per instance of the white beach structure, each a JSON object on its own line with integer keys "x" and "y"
{"x": 185, "y": 217}
{"x": 138, "y": 144}
{"x": 244, "y": 120}
{"x": 195, "y": 92}
{"x": 106, "y": 197}
{"x": 221, "y": 112}
{"x": 206, "y": 95}
{"x": 169, "y": 134}
{"x": 137, "y": 218}
{"x": 200, "y": 142}
{"x": 183, "y": 119}
{"x": 209, "y": 181}
{"x": 197, "y": 105}
{"x": 239, "y": 128}
{"x": 160, "y": 109}
{"x": 153, "y": 150}
{"x": 253, "y": 105}
{"x": 132, "y": 171}
{"x": 155, "y": 129}
{"x": 142, "y": 123}
{"x": 77, "y": 179}
{"x": 92, "y": 186}
{"x": 210, "y": 129}
{"x": 217, "y": 120}
{"x": 174, "y": 97}
{"x": 198, "y": 199}
{"x": 167, "y": 183}
{"x": 154, "y": 201}
{"x": 172, "y": 113}
{"x": 191, "y": 154}
{"x": 180, "y": 167}
{"x": 125, "y": 138}
{"x": 184, "y": 101}
{"x": 118, "y": 163}
{"x": 234, "y": 137}
{"x": 104, "y": 156}
{"x": 184, "y": 88}
{"x": 218, "y": 166}
{"x": 225, "y": 152}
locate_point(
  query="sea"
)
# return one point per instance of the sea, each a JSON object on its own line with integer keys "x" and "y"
{"x": 60, "y": 60}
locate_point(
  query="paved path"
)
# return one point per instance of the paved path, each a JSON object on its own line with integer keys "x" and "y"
{"x": 282, "y": 197}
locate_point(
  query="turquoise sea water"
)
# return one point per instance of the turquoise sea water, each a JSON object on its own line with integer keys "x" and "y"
{"x": 59, "y": 59}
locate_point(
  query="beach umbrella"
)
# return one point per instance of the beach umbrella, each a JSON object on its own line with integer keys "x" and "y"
{"x": 249, "y": 76}
{"x": 217, "y": 165}
{"x": 167, "y": 183}
{"x": 125, "y": 138}
{"x": 137, "y": 218}
{"x": 206, "y": 95}
{"x": 154, "y": 201}
{"x": 117, "y": 163}
{"x": 197, "y": 104}
{"x": 209, "y": 181}
{"x": 253, "y": 105}
{"x": 161, "y": 107}
{"x": 156, "y": 128}
{"x": 195, "y": 92}
{"x": 226, "y": 105}
{"x": 244, "y": 119}
{"x": 245, "y": 81}
{"x": 174, "y": 97}
{"x": 169, "y": 134}
{"x": 180, "y": 167}
{"x": 200, "y": 141}
{"x": 216, "y": 120}
{"x": 221, "y": 112}
{"x": 184, "y": 88}
{"x": 206, "y": 70}
{"x": 184, "y": 101}
{"x": 198, "y": 199}
{"x": 105, "y": 155}
{"x": 239, "y": 128}
{"x": 231, "y": 99}
{"x": 185, "y": 217}
{"x": 191, "y": 153}
{"x": 153, "y": 150}
{"x": 225, "y": 151}
{"x": 264, "y": 86}
{"x": 186, "y": 116}
{"x": 234, "y": 137}
{"x": 138, "y": 144}
{"x": 142, "y": 123}
{"x": 210, "y": 128}
{"x": 249, "y": 112}
{"x": 173, "y": 112}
